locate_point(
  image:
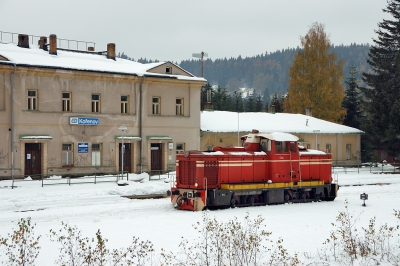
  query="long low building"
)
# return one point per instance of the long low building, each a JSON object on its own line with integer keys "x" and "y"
{"x": 221, "y": 128}
{"x": 73, "y": 111}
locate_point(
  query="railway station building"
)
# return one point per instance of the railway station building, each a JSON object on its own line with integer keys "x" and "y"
{"x": 220, "y": 128}
{"x": 81, "y": 111}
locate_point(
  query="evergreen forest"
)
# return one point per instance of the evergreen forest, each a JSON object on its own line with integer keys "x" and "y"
{"x": 266, "y": 73}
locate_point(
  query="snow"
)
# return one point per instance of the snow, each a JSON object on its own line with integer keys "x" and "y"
{"x": 67, "y": 60}
{"x": 224, "y": 121}
{"x": 303, "y": 227}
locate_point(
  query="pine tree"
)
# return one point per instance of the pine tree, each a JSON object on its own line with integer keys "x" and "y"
{"x": 351, "y": 101}
{"x": 250, "y": 102}
{"x": 259, "y": 102}
{"x": 221, "y": 99}
{"x": 315, "y": 78}
{"x": 276, "y": 102}
{"x": 383, "y": 84}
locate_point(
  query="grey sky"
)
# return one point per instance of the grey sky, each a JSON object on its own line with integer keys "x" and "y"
{"x": 173, "y": 30}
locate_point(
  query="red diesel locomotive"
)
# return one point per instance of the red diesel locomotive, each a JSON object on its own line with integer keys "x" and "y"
{"x": 270, "y": 168}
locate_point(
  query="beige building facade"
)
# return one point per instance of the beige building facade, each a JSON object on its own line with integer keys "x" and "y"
{"x": 74, "y": 112}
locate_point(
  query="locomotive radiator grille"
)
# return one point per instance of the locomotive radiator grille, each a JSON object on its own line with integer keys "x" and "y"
{"x": 211, "y": 172}
{"x": 187, "y": 172}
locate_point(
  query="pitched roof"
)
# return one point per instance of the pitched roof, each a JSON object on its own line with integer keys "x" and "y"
{"x": 222, "y": 121}
{"x": 10, "y": 53}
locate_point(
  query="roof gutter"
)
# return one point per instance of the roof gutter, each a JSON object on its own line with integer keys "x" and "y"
{"x": 140, "y": 121}
{"x": 11, "y": 129}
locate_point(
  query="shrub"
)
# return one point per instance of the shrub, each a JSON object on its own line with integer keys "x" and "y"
{"x": 22, "y": 247}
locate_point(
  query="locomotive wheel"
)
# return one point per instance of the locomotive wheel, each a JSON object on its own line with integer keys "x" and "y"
{"x": 233, "y": 202}
{"x": 287, "y": 198}
{"x": 251, "y": 200}
{"x": 179, "y": 202}
{"x": 303, "y": 197}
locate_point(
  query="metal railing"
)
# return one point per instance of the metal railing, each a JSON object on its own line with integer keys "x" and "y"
{"x": 69, "y": 178}
{"x": 387, "y": 168}
{"x": 12, "y": 37}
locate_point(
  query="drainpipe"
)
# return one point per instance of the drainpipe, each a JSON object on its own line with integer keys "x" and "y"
{"x": 12, "y": 122}
{"x": 140, "y": 122}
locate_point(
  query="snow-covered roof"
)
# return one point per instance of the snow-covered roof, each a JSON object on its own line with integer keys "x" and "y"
{"x": 223, "y": 121}
{"x": 87, "y": 61}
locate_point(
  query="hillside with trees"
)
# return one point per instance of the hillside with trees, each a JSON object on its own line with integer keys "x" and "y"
{"x": 270, "y": 70}
{"x": 268, "y": 73}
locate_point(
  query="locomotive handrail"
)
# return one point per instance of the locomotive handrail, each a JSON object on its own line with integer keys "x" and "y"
{"x": 205, "y": 184}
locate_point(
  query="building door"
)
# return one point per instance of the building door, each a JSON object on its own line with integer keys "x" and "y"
{"x": 127, "y": 157}
{"x": 156, "y": 156}
{"x": 33, "y": 159}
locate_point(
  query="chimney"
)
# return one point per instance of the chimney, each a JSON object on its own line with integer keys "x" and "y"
{"x": 309, "y": 111}
{"x": 53, "y": 44}
{"x": 111, "y": 51}
{"x": 23, "y": 40}
{"x": 90, "y": 49}
{"x": 43, "y": 43}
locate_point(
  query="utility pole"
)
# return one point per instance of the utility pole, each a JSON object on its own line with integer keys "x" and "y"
{"x": 201, "y": 56}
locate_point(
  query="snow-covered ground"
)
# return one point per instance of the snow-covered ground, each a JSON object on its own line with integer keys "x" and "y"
{"x": 89, "y": 207}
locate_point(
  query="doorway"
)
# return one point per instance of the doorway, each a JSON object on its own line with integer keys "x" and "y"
{"x": 127, "y": 157}
{"x": 156, "y": 156}
{"x": 33, "y": 159}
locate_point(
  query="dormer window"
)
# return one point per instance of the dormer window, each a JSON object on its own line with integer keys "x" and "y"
{"x": 168, "y": 70}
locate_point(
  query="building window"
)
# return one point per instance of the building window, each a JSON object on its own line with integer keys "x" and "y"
{"x": 308, "y": 146}
{"x": 179, "y": 106}
{"x": 156, "y": 105}
{"x": 180, "y": 147}
{"x": 32, "y": 100}
{"x": 95, "y": 103}
{"x": 168, "y": 70}
{"x": 96, "y": 154}
{"x": 348, "y": 151}
{"x": 67, "y": 154}
{"x": 328, "y": 148}
{"x": 124, "y": 104}
{"x": 66, "y": 102}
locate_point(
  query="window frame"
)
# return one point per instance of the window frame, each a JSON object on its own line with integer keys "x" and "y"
{"x": 125, "y": 105}
{"x": 179, "y": 107}
{"x": 66, "y": 102}
{"x": 179, "y": 150}
{"x": 67, "y": 156}
{"x": 32, "y": 101}
{"x": 156, "y": 106}
{"x": 281, "y": 147}
{"x": 96, "y": 154}
{"x": 328, "y": 148}
{"x": 96, "y": 103}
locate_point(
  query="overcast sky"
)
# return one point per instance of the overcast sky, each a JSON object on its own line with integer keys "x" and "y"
{"x": 173, "y": 30}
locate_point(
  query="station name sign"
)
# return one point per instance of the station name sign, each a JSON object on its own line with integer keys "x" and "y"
{"x": 83, "y": 121}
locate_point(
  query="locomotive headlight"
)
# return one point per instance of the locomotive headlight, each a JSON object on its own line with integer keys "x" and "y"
{"x": 195, "y": 184}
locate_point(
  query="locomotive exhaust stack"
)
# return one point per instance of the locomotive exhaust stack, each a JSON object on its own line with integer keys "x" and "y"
{"x": 270, "y": 168}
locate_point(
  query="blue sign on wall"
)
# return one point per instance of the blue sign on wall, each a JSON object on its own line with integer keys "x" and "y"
{"x": 83, "y": 121}
{"x": 83, "y": 147}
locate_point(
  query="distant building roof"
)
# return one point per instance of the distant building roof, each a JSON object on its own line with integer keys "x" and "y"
{"x": 222, "y": 121}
